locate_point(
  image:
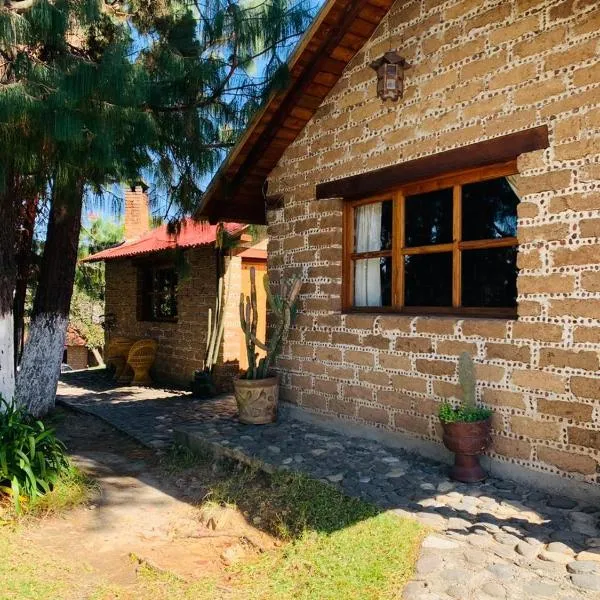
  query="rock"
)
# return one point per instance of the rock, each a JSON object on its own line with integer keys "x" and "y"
{"x": 458, "y": 524}
{"x": 298, "y": 458}
{"x": 588, "y": 581}
{"x": 427, "y": 486}
{"x": 274, "y": 449}
{"x": 439, "y": 543}
{"x": 474, "y": 557}
{"x": 318, "y": 451}
{"x": 286, "y": 461}
{"x": 335, "y": 478}
{"x": 555, "y": 557}
{"x": 390, "y": 460}
{"x": 445, "y": 486}
{"x": 502, "y": 571}
{"x": 413, "y": 590}
{"x": 507, "y": 539}
{"x": 428, "y": 564}
{"x": 233, "y": 554}
{"x": 364, "y": 479}
{"x": 583, "y": 566}
{"x": 541, "y": 589}
{"x": 479, "y": 540}
{"x": 562, "y": 502}
{"x": 589, "y": 555}
{"x": 528, "y": 550}
{"x": 495, "y": 590}
{"x": 560, "y": 547}
{"x": 394, "y": 473}
{"x": 593, "y": 542}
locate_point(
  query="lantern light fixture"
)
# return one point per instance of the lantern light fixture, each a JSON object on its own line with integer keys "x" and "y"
{"x": 390, "y": 75}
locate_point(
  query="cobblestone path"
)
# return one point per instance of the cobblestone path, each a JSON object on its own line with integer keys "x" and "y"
{"x": 491, "y": 540}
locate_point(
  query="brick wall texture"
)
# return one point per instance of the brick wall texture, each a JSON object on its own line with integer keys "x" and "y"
{"x": 480, "y": 69}
{"x": 181, "y": 345}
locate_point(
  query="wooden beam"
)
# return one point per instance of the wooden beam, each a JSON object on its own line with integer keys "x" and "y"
{"x": 496, "y": 150}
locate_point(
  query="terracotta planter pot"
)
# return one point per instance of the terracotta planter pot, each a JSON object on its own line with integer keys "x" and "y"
{"x": 467, "y": 441}
{"x": 257, "y": 400}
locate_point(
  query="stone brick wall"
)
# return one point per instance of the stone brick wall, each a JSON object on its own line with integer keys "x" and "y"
{"x": 77, "y": 357}
{"x": 181, "y": 345}
{"x": 480, "y": 69}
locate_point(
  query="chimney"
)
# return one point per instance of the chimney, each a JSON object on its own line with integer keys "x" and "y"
{"x": 137, "y": 214}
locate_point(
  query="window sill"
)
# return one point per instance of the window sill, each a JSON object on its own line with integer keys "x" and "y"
{"x": 477, "y": 313}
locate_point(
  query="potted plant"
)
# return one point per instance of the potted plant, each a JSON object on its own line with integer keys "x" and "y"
{"x": 466, "y": 427}
{"x": 257, "y": 391}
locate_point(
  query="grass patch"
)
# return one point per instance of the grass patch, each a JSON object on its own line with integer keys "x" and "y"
{"x": 73, "y": 488}
{"x": 336, "y": 547}
{"x": 369, "y": 559}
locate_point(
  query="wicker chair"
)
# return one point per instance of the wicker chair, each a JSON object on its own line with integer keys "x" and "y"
{"x": 117, "y": 352}
{"x": 141, "y": 358}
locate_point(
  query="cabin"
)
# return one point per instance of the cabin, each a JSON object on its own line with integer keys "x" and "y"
{"x": 433, "y": 172}
{"x": 161, "y": 285}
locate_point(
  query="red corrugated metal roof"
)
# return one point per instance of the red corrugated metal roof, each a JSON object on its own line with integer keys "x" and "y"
{"x": 191, "y": 234}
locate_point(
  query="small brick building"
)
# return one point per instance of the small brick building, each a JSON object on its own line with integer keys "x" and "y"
{"x": 464, "y": 216}
{"x": 161, "y": 286}
{"x": 76, "y": 353}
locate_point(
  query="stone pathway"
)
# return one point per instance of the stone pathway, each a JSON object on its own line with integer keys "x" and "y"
{"x": 491, "y": 540}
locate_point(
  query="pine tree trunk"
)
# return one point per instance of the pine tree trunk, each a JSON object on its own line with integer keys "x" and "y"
{"x": 23, "y": 266}
{"x": 42, "y": 356}
{"x": 7, "y": 288}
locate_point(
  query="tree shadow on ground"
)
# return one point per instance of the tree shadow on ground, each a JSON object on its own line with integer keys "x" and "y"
{"x": 501, "y": 514}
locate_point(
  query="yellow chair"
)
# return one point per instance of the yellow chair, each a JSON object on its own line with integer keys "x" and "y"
{"x": 117, "y": 352}
{"x": 141, "y": 358}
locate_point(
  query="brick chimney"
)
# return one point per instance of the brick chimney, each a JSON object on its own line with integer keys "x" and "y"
{"x": 137, "y": 214}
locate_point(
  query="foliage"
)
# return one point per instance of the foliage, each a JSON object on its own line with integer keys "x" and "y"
{"x": 468, "y": 411}
{"x": 87, "y": 303}
{"x": 283, "y": 311}
{"x": 31, "y": 457}
{"x": 461, "y": 414}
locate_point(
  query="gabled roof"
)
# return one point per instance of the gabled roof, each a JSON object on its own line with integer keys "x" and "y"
{"x": 339, "y": 31}
{"x": 158, "y": 240}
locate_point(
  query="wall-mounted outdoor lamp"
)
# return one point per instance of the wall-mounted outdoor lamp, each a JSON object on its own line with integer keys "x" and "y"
{"x": 390, "y": 75}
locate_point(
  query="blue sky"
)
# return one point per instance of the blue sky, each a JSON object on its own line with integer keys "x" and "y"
{"x": 110, "y": 205}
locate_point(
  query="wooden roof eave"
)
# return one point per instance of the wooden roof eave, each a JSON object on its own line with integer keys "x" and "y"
{"x": 315, "y": 66}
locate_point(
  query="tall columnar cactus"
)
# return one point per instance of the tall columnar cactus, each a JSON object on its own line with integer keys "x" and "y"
{"x": 283, "y": 309}
{"x": 466, "y": 378}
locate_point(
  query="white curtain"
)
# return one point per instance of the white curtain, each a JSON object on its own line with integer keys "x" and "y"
{"x": 513, "y": 182}
{"x": 367, "y": 272}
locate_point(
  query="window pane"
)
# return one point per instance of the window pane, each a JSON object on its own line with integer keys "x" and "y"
{"x": 373, "y": 227}
{"x": 489, "y": 277}
{"x": 428, "y": 218}
{"x": 428, "y": 279}
{"x": 373, "y": 282}
{"x": 489, "y": 210}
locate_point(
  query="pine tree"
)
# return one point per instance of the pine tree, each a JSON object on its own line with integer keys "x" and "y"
{"x": 94, "y": 116}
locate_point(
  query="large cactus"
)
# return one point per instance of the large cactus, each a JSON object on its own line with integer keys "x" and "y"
{"x": 283, "y": 309}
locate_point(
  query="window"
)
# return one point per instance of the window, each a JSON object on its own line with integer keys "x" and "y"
{"x": 157, "y": 294}
{"x": 446, "y": 245}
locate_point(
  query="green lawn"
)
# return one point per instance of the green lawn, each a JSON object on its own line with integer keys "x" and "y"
{"x": 333, "y": 547}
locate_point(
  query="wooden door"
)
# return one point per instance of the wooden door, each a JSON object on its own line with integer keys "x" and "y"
{"x": 261, "y": 302}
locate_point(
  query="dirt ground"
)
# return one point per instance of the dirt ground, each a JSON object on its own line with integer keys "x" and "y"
{"x": 141, "y": 515}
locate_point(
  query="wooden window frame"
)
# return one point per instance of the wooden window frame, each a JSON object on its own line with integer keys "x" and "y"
{"x": 146, "y": 297}
{"x": 398, "y": 250}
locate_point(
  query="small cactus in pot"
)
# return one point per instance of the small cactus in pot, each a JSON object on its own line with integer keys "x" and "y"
{"x": 257, "y": 390}
{"x": 466, "y": 427}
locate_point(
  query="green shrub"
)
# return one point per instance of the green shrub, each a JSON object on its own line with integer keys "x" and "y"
{"x": 462, "y": 414}
{"x": 31, "y": 457}
{"x": 468, "y": 411}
